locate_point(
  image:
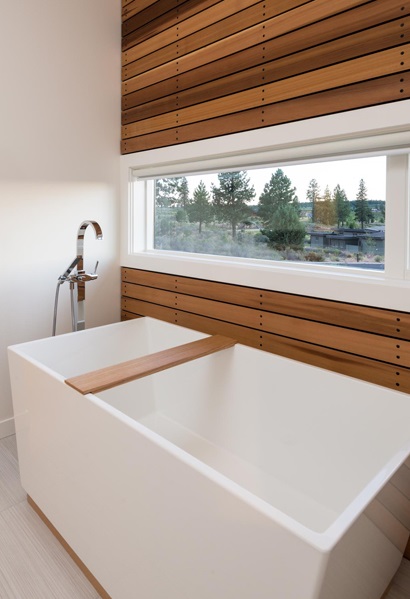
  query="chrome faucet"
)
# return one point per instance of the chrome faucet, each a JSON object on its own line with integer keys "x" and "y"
{"x": 81, "y": 276}
{"x": 77, "y": 279}
{"x": 80, "y": 237}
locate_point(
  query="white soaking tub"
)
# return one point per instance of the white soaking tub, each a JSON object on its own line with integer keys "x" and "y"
{"x": 239, "y": 475}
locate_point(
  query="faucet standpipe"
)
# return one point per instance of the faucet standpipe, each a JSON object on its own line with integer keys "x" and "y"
{"x": 77, "y": 279}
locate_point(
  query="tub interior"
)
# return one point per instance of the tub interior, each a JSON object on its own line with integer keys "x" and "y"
{"x": 302, "y": 439}
{"x": 83, "y": 351}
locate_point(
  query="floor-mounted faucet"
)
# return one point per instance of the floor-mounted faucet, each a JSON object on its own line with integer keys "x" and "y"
{"x": 77, "y": 279}
{"x": 82, "y": 276}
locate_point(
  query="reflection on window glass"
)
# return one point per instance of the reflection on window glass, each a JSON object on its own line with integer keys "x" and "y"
{"x": 330, "y": 213}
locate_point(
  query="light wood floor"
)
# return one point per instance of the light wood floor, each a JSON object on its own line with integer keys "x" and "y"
{"x": 33, "y": 565}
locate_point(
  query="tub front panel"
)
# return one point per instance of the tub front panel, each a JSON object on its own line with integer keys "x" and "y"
{"x": 236, "y": 476}
{"x": 145, "y": 518}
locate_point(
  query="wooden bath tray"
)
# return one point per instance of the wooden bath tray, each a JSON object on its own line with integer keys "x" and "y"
{"x": 118, "y": 374}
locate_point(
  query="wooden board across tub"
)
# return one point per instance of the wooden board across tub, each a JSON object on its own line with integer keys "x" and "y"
{"x": 118, "y": 374}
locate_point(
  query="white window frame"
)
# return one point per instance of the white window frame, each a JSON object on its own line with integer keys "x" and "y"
{"x": 361, "y": 133}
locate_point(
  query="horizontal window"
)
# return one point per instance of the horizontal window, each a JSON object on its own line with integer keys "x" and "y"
{"x": 324, "y": 208}
{"x": 328, "y": 213}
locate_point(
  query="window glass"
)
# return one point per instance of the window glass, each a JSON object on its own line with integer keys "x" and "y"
{"x": 332, "y": 213}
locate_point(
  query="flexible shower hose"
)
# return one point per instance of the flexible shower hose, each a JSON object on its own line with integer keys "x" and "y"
{"x": 59, "y": 283}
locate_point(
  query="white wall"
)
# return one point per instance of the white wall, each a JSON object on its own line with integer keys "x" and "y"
{"x": 59, "y": 164}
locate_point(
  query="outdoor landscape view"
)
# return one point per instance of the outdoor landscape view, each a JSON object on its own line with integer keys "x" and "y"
{"x": 224, "y": 214}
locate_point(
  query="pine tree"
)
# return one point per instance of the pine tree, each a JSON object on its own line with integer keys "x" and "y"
{"x": 231, "y": 198}
{"x": 342, "y": 205}
{"x": 183, "y": 192}
{"x": 163, "y": 193}
{"x": 172, "y": 192}
{"x": 325, "y": 209}
{"x": 277, "y": 192}
{"x": 313, "y": 196}
{"x": 200, "y": 209}
{"x": 362, "y": 209}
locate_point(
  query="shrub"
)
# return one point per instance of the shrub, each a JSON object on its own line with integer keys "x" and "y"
{"x": 260, "y": 238}
{"x": 314, "y": 257}
{"x": 291, "y": 254}
{"x": 285, "y": 229}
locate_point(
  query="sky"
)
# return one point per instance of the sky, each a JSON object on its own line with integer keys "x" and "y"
{"x": 346, "y": 173}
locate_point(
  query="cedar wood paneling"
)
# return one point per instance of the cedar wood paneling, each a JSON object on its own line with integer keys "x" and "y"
{"x": 196, "y": 69}
{"x": 371, "y": 344}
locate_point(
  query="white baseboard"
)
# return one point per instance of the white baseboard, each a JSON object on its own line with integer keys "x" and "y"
{"x": 7, "y": 428}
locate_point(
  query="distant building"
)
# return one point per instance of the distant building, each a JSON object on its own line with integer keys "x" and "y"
{"x": 350, "y": 240}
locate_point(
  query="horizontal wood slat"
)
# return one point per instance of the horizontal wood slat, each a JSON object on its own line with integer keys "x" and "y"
{"x": 356, "y": 342}
{"x": 138, "y": 28}
{"x": 363, "y": 318}
{"x": 118, "y": 374}
{"x": 376, "y": 65}
{"x": 293, "y": 43}
{"x": 364, "y": 342}
{"x": 219, "y": 22}
{"x": 291, "y": 29}
{"x": 132, "y": 7}
{"x": 200, "y": 69}
{"x": 209, "y": 23}
{"x": 369, "y": 93}
{"x": 277, "y": 70}
{"x": 226, "y": 26}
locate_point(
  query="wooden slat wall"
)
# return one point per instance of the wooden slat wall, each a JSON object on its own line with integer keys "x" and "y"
{"x": 194, "y": 69}
{"x": 372, "y": 344}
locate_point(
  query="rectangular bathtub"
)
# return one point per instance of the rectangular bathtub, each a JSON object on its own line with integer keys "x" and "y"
{"x": 239, "y": 475}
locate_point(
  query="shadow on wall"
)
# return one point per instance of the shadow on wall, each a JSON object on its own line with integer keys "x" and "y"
{"x": 38, "y": 232}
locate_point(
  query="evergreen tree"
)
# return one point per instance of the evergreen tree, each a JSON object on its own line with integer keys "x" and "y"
{"x": 313, "y": 196}
{"x": 276, "y": 193}
{"x": 325, "y": 209}
{"x": 362, "y": 209}
{"x": 342, "y": 206}
{"x": 231, "y": 198}
{"x": 200, "y": 210}
{"x": 163, "y": 193}
{"x": 183, "y": 192}
{"x": 285, "y": 229}
{"x": 382, "y": 209}
{"x": 172, "y": 192}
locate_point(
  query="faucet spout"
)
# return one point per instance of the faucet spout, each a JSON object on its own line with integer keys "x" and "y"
{"x": 82, "y": 276}
{"x": 80, "y": 238}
